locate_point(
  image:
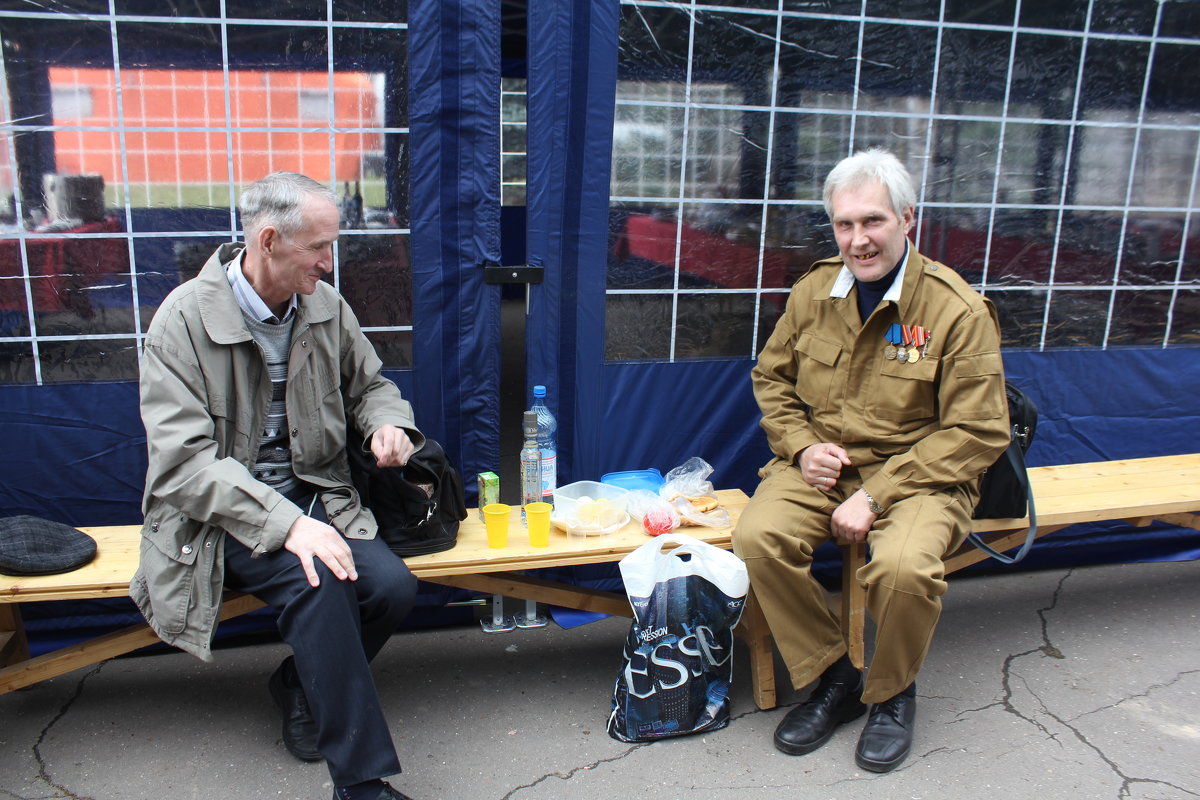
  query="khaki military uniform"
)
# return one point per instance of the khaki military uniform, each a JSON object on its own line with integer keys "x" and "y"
{"x": 918, "y": 435}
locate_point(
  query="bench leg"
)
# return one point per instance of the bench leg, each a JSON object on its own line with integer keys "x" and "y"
{"x": 753, "y": 630}
{"x": 14, "y": 646}
{"x": 854, "y": 602}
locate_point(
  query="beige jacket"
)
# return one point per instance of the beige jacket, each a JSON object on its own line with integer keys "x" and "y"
{"x": 823, "y": 377}
{"x": 204, "y": 393}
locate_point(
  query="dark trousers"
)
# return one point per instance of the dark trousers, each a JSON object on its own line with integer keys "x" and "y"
{"x": 335, "y": 630}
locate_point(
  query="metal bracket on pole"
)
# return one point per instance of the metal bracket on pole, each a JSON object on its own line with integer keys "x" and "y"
{"x": 498, "y": 623}
{"x": 531, "y": 619}
{"x": 495, "y": 273}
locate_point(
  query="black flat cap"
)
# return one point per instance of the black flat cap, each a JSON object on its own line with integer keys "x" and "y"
{"x": 36, "y": 546}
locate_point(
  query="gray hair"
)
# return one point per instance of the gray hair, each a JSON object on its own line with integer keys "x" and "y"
{"x": 278, "y": 201}
{"x": 874, "y": 164}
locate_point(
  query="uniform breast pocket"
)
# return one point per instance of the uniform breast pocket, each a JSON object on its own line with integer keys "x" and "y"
{"x": 816, "y": 366}
{"x": 906, "y": 391}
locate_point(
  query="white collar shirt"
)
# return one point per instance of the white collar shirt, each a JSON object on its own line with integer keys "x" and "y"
{"x": 845, "y": 280}
{"x": 248, "y": 299}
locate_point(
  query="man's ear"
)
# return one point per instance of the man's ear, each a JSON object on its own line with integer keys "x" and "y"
{"x": 268, "y": 238}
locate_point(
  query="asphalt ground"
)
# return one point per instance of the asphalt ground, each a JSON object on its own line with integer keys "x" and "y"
{"x": 1064, "y": 683}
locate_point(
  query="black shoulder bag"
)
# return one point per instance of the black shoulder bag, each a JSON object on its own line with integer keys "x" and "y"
{"x": 1004, "y": 492}
{"x": 418, "y": 506}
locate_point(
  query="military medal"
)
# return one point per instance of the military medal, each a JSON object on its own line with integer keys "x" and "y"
{"x": 917, "y": 337}
{"x": 902, "y": 353}
{"x": 914, "y": 339}
{"x": 891, "y": 353}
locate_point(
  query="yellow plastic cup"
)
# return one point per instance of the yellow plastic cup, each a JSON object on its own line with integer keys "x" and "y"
{"x": 537, "y": 516}
{"x": 495, "y": 517}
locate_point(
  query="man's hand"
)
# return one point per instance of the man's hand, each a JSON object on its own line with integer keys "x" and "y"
{"x": 391, "y": 446}
{"x": 309, "y": 540}
{"x": 852, "y": 520}
{"x": 821, "y": 465}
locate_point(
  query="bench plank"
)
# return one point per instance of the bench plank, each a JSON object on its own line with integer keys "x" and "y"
{"x": 107, "y": 575}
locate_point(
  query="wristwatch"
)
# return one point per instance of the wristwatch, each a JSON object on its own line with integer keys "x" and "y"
{"x": 871, "y": 504}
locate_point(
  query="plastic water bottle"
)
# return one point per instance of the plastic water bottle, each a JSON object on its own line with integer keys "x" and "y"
{"x": 531, "y": 462}
{"x": 547, "y": 426}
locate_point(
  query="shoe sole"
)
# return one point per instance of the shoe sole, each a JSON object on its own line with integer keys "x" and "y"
{"x": 275, "y": 689}
{"x": 848, "y": 715}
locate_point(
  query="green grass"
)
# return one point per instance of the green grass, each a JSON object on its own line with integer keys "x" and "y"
{"x": 210, "y": 195}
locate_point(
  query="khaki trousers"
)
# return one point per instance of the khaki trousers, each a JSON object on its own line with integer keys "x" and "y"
{"x": 787, "y": 520}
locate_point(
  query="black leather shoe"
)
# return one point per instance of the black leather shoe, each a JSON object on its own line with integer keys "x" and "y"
{"x": 810, "y": 724}
{"x": 887, "y": 737}
{"x": 385, "y": 793}
{"x": 299, "y": 727}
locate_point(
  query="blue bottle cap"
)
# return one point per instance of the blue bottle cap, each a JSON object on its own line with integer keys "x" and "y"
{"x": 539, "y": 391}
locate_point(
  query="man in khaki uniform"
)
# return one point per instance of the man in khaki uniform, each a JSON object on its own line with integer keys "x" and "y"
{"x": 882, "y": 394}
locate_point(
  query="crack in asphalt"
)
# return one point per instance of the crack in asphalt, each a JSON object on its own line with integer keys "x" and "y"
{"x": 43, "y": 768}
{"x": 1047, "y": 649}
{"x": 571, "y": 773}
{"x": 1149, "y": 690}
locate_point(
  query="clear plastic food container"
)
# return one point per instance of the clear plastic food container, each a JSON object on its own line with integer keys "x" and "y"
{"x": 590, "y": 508}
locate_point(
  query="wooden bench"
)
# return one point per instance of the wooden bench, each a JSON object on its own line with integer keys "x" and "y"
{"x": 471, "y": 565}
{"x": 1138, "y": 491}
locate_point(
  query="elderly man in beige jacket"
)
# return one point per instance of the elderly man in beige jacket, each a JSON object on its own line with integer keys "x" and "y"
{"x": 251, "y": 373}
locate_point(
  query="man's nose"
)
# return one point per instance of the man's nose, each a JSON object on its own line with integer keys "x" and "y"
{"x": 859, "y": 236}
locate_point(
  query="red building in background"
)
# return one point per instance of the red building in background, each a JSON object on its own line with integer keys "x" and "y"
{"x": 176, "y": 131}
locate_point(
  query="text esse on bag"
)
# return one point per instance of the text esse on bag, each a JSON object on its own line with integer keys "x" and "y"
{"x": 694, "y": 649}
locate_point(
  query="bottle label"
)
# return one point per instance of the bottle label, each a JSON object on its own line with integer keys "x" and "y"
{"x": 531, "y": 484}
{"x": 549, "y": 468}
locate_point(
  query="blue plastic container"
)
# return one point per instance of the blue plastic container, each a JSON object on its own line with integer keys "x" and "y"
{"x": 632, "y": 479}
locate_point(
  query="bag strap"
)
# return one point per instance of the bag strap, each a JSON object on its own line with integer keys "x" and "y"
{"x": 1018, "y": 466}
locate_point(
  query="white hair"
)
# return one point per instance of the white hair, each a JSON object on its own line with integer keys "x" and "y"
{"x": 875, "y": 164}
{"x": 278, "y": 201}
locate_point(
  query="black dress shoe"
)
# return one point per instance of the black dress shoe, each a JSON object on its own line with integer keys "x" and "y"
{"x": 810, "y": 724}
{"x": 299, "y": 727}
{"x": 887, "y": 737}
{"x": 385, "y": 793}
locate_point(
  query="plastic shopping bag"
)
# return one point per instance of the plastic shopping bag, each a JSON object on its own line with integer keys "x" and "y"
{"x": 678, "y": 657}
